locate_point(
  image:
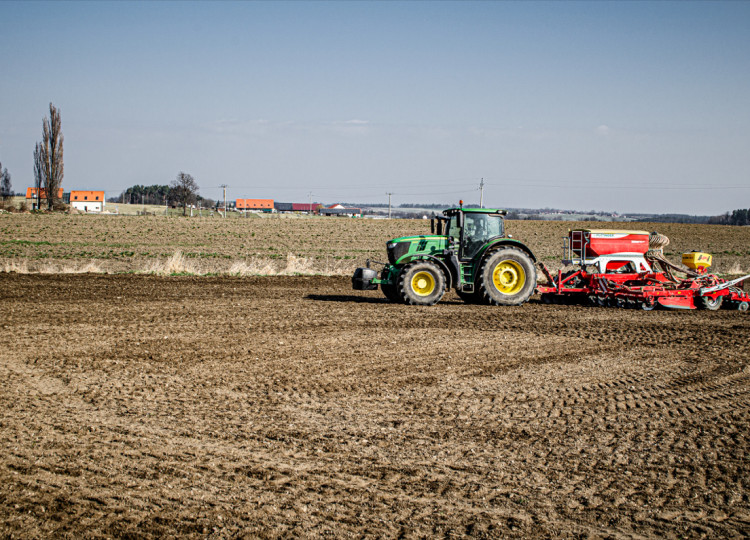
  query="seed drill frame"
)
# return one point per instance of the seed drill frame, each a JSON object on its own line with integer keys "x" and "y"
{"x": 628, "y": 269}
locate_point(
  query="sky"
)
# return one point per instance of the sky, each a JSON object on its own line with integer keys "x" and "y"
{"x": 612, "y": 106}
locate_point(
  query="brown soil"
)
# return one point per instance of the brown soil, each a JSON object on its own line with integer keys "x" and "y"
{"x": 225, "y": 407}
{"x": 57, "y": 243}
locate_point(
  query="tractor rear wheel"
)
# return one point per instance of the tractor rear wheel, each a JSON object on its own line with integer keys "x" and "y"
{"x": 711, "y": 304}
{"x": 507, "y": 277}
{"x": 421, "y": 283}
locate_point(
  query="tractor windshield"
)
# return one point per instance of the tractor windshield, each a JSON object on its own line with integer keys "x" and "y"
{"x": 480, "y": 228}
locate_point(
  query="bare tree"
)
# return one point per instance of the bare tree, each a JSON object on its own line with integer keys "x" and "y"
{"x": 38, "y": 176}
{"x": 6, "y": 189}
{"x": 184, "y": 190}
{"x": 48, "y": 157}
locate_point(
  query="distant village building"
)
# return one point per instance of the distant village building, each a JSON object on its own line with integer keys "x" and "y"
{"x": 303, "y": 208}
{"x": 254, "y": 205}
{"x": 306, "y": 207}
{"x": 339, "y": 210}
{"x": 34, "y": 199}
{"x": 87, "y": 201}
{"x": 283, "y": 206}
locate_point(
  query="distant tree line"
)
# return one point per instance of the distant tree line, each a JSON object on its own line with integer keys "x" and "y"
{"x": 426, "y": 206}
{"x": 674, "y": 218}
{"x": 172, "y": 195}
{"x": 736, "y": 217}
{"x": 143, "y": 195}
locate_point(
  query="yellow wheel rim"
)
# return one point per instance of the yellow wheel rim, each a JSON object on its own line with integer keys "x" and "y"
{"x": 508, "y": 277}
{"x": 423, "y": 283}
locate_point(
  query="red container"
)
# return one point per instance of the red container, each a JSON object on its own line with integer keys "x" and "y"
{"x": 599, "y": 242}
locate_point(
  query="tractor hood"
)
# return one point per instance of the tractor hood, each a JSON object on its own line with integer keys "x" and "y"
{"x": 400, "y": 249}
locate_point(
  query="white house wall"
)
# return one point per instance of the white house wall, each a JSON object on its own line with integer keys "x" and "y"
{"x": 87, "y": 206}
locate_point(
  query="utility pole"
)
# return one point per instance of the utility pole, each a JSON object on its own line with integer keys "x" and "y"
{"x": 225, "y": 199}
{"x": 481, "y": 193}
{"x": 389, "y": 204}
{"x": 309, "y": 207}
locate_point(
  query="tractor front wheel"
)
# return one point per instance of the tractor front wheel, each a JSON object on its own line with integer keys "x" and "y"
{"x": 507, "y": 277}
{"x": 421, "y": 283}
{"x": 389, "y": 290}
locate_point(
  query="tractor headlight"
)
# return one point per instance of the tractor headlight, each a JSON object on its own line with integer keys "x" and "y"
{"x": 396, "y": 250}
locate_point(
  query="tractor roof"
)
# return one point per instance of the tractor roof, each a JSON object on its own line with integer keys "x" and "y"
{"x": 452, "y": 211}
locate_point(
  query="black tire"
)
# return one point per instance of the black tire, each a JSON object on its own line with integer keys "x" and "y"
{"x": 711, "y": 304}
{"x": 389, "y": 290}
{"x": 507, "y": 277}
{"x": 421, "y": 283}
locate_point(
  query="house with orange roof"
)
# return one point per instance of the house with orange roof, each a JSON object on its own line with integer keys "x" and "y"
{"x": 34, "y": 197}
{"x": 87, "y": 201}
{"x": 257, "y": 205}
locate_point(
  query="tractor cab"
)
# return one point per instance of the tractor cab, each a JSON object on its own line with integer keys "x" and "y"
{"x": 469, "y": 229}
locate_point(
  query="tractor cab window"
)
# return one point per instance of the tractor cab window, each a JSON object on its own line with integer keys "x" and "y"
{"x": 478, "y": 230}
{"x": 453, "y": 229}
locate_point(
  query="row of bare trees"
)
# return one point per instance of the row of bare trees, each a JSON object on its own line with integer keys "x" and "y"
{"x": 48, "y": 159}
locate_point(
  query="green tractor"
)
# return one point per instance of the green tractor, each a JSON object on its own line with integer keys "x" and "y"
{"x": 468, "y": 251}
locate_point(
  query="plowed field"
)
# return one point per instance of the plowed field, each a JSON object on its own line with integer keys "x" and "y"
{"x": 292, "y": 406}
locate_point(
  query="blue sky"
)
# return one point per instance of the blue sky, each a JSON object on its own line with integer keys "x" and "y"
{"x": 629, "y": 107}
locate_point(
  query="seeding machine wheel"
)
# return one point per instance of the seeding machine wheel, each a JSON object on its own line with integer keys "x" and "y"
{"x": 711, "y": 304}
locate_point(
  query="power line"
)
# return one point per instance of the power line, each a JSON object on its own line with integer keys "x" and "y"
{"x": 517, "y": 185}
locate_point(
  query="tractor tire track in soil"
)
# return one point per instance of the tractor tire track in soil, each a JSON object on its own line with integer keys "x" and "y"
{"x": 224, "y": 407}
